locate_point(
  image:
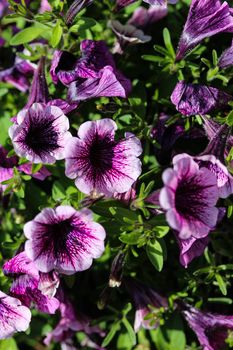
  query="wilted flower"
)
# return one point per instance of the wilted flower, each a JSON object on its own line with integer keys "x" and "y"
{"x": 211, "y": 329}
{"x": 98, "y": 162}
{"x": 145, "y": 299}
{"x": 189, "y": 196}
{"x": 191, "y": 99}
{"x": 14, "y": 317}
{"x": 31, "y": 286}
{"x": 40, "y": 133}
{"x": 93, "y": 75}
{"x": 64, "y": 240}
{"x": 206, "y": 18}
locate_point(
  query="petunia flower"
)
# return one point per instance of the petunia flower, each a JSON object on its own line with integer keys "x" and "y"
{"x": 211, "y": 329}
{"x": 144, "y": 298}
{"x": 100, "y": 164}
{"x": 64, "y": 240}
{"x": 191, "y": 99}
{"x": 40, "y": 133}
{"x": 14, "y": 317}
{"x": 93, "y": 75}
{"x": 45, "y": 6}
{"x": 31, "y": 286}
{"x": 189, "y": 196}
{"x": 205, "y": 19}
{"x": 7, "y": 168}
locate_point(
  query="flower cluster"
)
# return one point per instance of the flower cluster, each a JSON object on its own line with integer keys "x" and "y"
{"x": 116, "y": 174}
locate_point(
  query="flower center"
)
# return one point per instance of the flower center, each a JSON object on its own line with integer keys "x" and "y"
{"x": 41, "y": 136}
{"x": 189, "y": 199}
{"x": 101, "y": 154}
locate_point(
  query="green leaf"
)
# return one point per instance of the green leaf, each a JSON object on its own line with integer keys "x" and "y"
{"x": 56, "y": 35}
{"x": 130, "y": 238}
{"x": 168, "y": 43}
{"x": 152, "y": 58}
{"x": 130, "y": 330}
{"x": 154, "y": 252}
{"x": 171, "y": 336}
{"x": 229, "y": 118}
{"x": 58, "y": 191}
{"x": 115, "y": 327}
{"x": 8, "y": 344}
{"x": 26, "y": 35}
{"x": 221, "y": 284}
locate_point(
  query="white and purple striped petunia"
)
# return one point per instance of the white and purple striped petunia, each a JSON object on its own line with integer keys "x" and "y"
{"x": 99, "y": 163}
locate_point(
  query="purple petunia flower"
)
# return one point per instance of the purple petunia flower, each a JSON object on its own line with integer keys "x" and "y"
{"x": 14, "y": 317}
{"x": 64, "y": 240}
{"x": 211, "y": 329}
{"x": 143, "y": 298}
{"x": 93, "y": 75}
{"x": 191, "y": 99}
{"x": 189, "y": 196}
{"x": 30, "y": 285}
{"x": 100, "y": 164}
{"x": 45, "y": 6}
{"x": 205, "y": 19}
{"x": 40, "y": 133}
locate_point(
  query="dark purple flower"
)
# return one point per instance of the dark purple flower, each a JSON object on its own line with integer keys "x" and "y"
{"x": 191, "y": 99}
{"x": 75, "y": 8}
{"x": 211, "y": 329}
{"x": 205, "y": 19}
{"x": 40, "y": 133}
{"x": 93, "y": 75}
{"x": 14, "y": 317}
{"x": 100, "y": 164}
{"x": 31, "y": 286}
{"x": 189, "y": 196}
{"x": 143, "y": 298}
{"x": 64, "y": 240}
{"x": 7, "y": 168}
